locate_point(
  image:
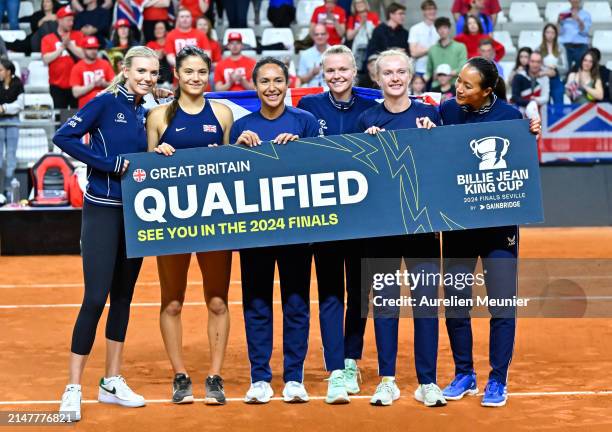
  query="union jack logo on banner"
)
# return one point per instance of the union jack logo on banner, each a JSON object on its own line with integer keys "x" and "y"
{"x": 577, "y": 133}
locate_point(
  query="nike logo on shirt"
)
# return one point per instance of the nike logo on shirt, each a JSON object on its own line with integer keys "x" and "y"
{"x": 180, "y": 129}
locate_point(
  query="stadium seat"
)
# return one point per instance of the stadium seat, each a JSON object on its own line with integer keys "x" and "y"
{"x": 524, "y": 12}
{"x": 530, "y": 38}
{"x": 553, "y": 9}
{"x": 263, "y": 14}
{"x": 38, "y": 106}
{"x": 501, "y": 17}
{"x": 507, "y": 67}
{"x": 12, "y": 35}
{"x": 32, "y": 144}
{"x": 303, "y": 32}
{"x": 601, "y": 40}
{"x": 26, "y": 8}
{"x": 609, "y": 65}
{"x": 278, "y": 35}
{"x": 17, "y": 68}
{"x": 504, "y": 38}
{"x": 304, "y": 10}
{"x": 248, "y": 36}
{"x": 600, "y": 11}
{"x": 38, "y": 79}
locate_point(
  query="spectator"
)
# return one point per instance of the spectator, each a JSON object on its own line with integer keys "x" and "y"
{"x": 486, "y": 50}
{"x": 154, "y": 12}
{"x": 423, "y": 36}
{"x": 91, "y": 74}
{"x": 123, "y": 37}
{"x": 555, "y": 62}
{"x": 531, "y": 84}
{"x": 77, "y": 6}
{"x": 520, "y": 65}
{"x": 390, "y": 34}
{"x": 234, "y": 73}
{"x": 417, "y": 85}
{"x": 11, "y": 103}
{"x": 11, "y": 7}
{"x": 359, "y": 29}
{"x": 60, "y": 50}
{"x": 183, "y": 35}
{"x": 476, "y": 8}
{"x": 93, "y": 20}
{"x": 237, "y": 12}
{"x": 445, "y": 85}
{"x": 281, "y": 13}
{"x": 473, "y": 34}
{"x": 446, "y": 51}
{"x": 462, "y": 7}
{"x": 294, "y": 81}
{"x": 46, "y": 14}
{"x": 309, "y": 67}
{"x": 604, "y": 72}
{"x": 368, "y": 79}
{"x": 585, "y": 84}
{"x": 205, "y": 26}
{"x": 197, "y": 7}
{"x": 333, "y": 17}
{"x": 575, "y": 24}
{"x": 160, "y": 31}
{"x": 378, "y": 6}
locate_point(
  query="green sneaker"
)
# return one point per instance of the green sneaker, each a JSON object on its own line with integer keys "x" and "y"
{"x": 336, "y": 390}
{"x": 351, "y": 375}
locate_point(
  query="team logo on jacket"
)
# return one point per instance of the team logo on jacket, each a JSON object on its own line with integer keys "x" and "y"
{"x": 139, "y": 175}
{"x": 120, "y": 118}
{"x": 210, "y": 128}
{"x": 491, "y": 152}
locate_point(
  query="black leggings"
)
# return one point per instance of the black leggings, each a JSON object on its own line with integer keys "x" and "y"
{"x": 106, "y": 270}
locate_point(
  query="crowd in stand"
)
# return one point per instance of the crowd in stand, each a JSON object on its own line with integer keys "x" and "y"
{"x": 83, "y": 43}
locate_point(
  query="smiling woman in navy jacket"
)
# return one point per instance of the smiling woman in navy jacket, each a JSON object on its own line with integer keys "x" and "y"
{"x": 115, "y": 122}
{"x": 476, "y": 102}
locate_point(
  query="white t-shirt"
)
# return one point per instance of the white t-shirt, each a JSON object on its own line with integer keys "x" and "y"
{"x": 424, "y": 35}
{"x": 310, "y": 58}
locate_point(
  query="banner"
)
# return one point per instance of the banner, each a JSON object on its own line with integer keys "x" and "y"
{"x": 332, "y": 188}
{"x": 577, "y": 133}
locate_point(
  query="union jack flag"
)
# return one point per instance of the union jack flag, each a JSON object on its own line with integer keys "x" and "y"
{"x": 577, "y": 133}
{"x": 132, "y": 10}
{"x": 210, "y": 128}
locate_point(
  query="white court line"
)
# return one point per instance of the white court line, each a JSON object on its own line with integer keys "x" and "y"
{"x": 80, "y": 285}
{"x": 236, "y": 399}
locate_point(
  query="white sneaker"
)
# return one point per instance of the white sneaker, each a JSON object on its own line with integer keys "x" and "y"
{"x": 430, "y": 395}
{"x": 386, "y": 392}
{"x": 260, "y": 392}
{"x": 71, "y": 403}
{"x": 114, "y": 390}
{"x": 294, "y": 392}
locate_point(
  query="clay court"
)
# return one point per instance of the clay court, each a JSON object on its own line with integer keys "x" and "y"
{"x": 559, "y": 378}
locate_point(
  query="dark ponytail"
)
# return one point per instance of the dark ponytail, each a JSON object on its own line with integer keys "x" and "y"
{"x": 188, "y": 51}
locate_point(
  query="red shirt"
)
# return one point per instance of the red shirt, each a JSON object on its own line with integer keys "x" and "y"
{"x": 59, "y": 69}
{"x": 320, "y": 16}
{"x": 491, "y": 7}
{"x": 154, "y": 45}
{"x": 215, "y": 48}
{"x": 194, "y": 7}
{"x": 227, "y": 66}
{"x": 354, "y": 21}
{"x": 84, "y": 73}
{"x": 471, "y": 42}
{"x": 155, "y": 14}
{"x": 177, "y": 40}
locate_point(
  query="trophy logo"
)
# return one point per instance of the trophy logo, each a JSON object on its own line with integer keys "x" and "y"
{"x": 491, "y": 152}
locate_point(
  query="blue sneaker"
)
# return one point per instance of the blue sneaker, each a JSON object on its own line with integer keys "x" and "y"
{"x": 495, "y": 394}
{"x": 462, "y": 384}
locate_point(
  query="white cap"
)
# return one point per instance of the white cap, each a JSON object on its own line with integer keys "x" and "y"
{"x": 444, "y": 69}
